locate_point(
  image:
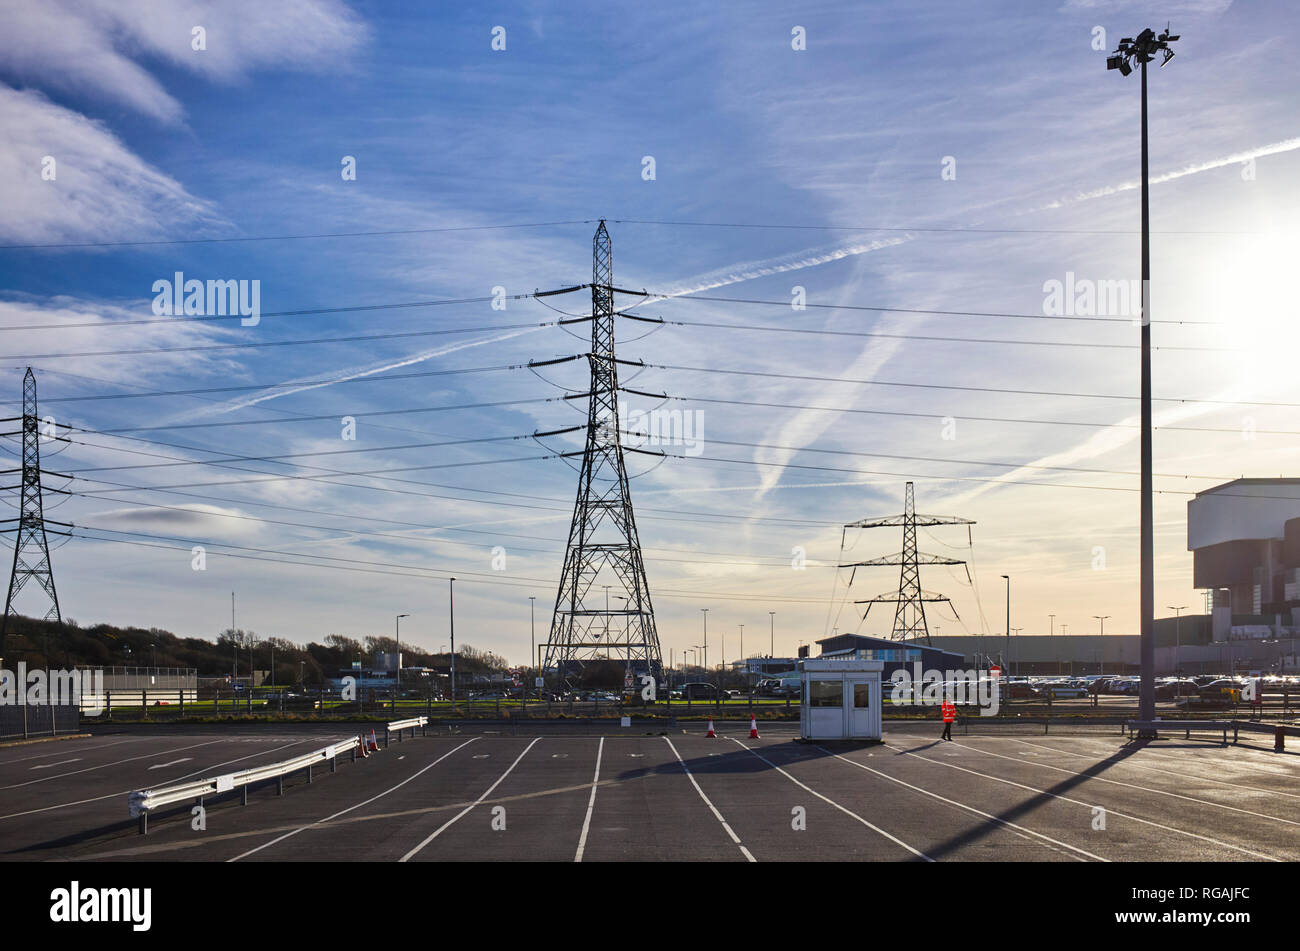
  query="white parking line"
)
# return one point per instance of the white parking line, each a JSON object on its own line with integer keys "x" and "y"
{"x": 962, "y": 805}
{"x": 826, "y": 799}
{"x": 357, "y": 806}
{"x": 64, "y": 747}
{"x": 175, "y": 762}
{"x": 1089, "y": 805}
{"x": 1149, "y": 789}
{"x": 586, "y": 823}
{"x": 487, "y": 792}
{"x": 88, "y": 769}
{"x": 114, "y": 795}
{"x": 1182, "y": 774}
{"x": 714, "y": 809}
{"x": 62, "y": 762}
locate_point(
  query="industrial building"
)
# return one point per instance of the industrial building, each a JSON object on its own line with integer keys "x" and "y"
{"x": 896, "y": 655}
{"x": 1244, "y": 537}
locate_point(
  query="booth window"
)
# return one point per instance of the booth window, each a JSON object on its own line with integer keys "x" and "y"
{"x": 826, "y": 693}
{"x": 861, "y": 695}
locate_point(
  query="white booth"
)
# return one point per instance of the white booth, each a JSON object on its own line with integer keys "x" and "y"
{"x": 841, "y": 699}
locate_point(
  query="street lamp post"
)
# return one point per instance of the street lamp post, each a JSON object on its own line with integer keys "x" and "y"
{"x": 532, "y": 638}
{"x": 706, "y": 638}
{"x": 771, "y": 646}
{"x": 1007, "y": 659}
{"x": 1101, "y": 653}
{"x": 397, "y": 684}
{"x": 1178, "y": 637}
{"x": 451, "y": 616}
{"x": 1143, "y": 50}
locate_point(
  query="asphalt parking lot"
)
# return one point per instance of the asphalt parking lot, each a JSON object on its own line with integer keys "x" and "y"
{"x": 681, "y": 797}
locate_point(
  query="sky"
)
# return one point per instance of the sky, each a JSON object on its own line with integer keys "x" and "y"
{"x": 880, "y": 162}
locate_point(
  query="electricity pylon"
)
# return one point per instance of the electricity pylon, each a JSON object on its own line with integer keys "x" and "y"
{"x": 604, "y": 550}
{"x": 31, "y": 548}
{"x": 911, "y": 599}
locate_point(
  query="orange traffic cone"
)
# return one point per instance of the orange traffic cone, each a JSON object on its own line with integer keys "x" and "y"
{"x": 711, "y": 733}
{"x": 753, "y": 727}
{"x": 374, "y": 743}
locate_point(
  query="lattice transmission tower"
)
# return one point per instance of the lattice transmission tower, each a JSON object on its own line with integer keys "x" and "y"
{"x": 31, "y": 547}
{"x": 911, "y": 599}
{"x": 603, "y": 609}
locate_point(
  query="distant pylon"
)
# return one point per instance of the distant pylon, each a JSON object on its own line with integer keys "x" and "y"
{"x": 31, "y": 549}
{"x": 909, "y": 615}
{"x": 603, "y": 556}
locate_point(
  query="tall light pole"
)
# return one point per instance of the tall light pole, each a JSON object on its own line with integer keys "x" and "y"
{"x": 771, "y": 646}
{"x": 532, "y": 638}
{"x": 451, "y": 615}
{"x": 1007, "y": 660}
{"x": 397, "y": 633}
{"x": 706, "y": 638}
{"x": 1051, "y": 630}
{"x": 1143, "y": 50}
{"x": 1178, "y": 636}
{"x": 1101, "y": 654}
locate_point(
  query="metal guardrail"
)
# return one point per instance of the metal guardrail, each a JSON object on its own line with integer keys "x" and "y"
{"x": 1187, "y": 726}
{"x": 145, "y": 801}
{"x": 397, "y": 726}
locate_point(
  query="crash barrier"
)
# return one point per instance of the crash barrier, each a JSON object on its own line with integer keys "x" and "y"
{"x": 397, "y": 726}
{"x": 1279, "y": 731}
{"x": 145, "y": 801}
{"x": 1187, "y": 726}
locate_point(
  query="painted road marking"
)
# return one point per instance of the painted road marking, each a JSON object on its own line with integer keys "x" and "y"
{"x": 848, "y": 812}
{"x": 487, "y": 792}
{"x": 586, "y": 822}
{"x": 714, "y": 809}
{"x": 62, "y": 762}
{"x": 1088, "y": 805}
{"x": 358, "y": 805}
{"x": 962, "y": 805}
{"x": 183, "y": 759}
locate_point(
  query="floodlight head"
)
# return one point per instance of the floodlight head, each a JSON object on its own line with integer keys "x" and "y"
{"x": 1114, "y": 61}
{"x": 1169, "y": 54}
{"x": 1125, "y": 68}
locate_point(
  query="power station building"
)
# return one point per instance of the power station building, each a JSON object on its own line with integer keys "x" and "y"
{"x": 1244, "y": 537}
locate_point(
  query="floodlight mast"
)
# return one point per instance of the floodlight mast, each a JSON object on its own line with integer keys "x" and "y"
{"x": 1142, "y": 49}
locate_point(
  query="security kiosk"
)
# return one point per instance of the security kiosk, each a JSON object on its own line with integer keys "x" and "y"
{"x": 841, "y": 699}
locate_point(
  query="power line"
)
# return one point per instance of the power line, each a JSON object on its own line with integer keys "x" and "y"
{"x": 935, "y": 230}
{"x": 925, "y": 312}
{"x": 410, "y": 571}
{"x": 285, "y": 237}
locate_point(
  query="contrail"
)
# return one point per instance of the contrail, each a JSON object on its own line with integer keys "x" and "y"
{"x": 749, "y": 270}
{"x": 370, "y": 371}
{"x": 1236, "y": 158}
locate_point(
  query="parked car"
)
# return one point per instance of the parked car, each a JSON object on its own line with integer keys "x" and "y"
{"x": 698, "y": 691}
{"x": 1063, "y": 690}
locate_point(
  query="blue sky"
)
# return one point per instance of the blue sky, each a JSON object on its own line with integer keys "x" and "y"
{"x": 155, "y": 141}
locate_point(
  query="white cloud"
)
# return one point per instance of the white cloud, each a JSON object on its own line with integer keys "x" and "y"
{"x": 88, "y": 46}
{"x": 100, "y": 189}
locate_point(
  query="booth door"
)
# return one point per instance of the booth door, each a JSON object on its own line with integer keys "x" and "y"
{"x": 826, "y": 709}
{"x": 858, "y": 698}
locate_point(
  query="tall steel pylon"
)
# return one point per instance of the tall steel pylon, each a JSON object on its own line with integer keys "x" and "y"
{"x": 911, "y": 599}
{"x": 603, "y": 558}
{"x": 31, "y": 548}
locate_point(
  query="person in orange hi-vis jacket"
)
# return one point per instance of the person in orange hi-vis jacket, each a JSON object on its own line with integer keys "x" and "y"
{"x": 949, "y": 716}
